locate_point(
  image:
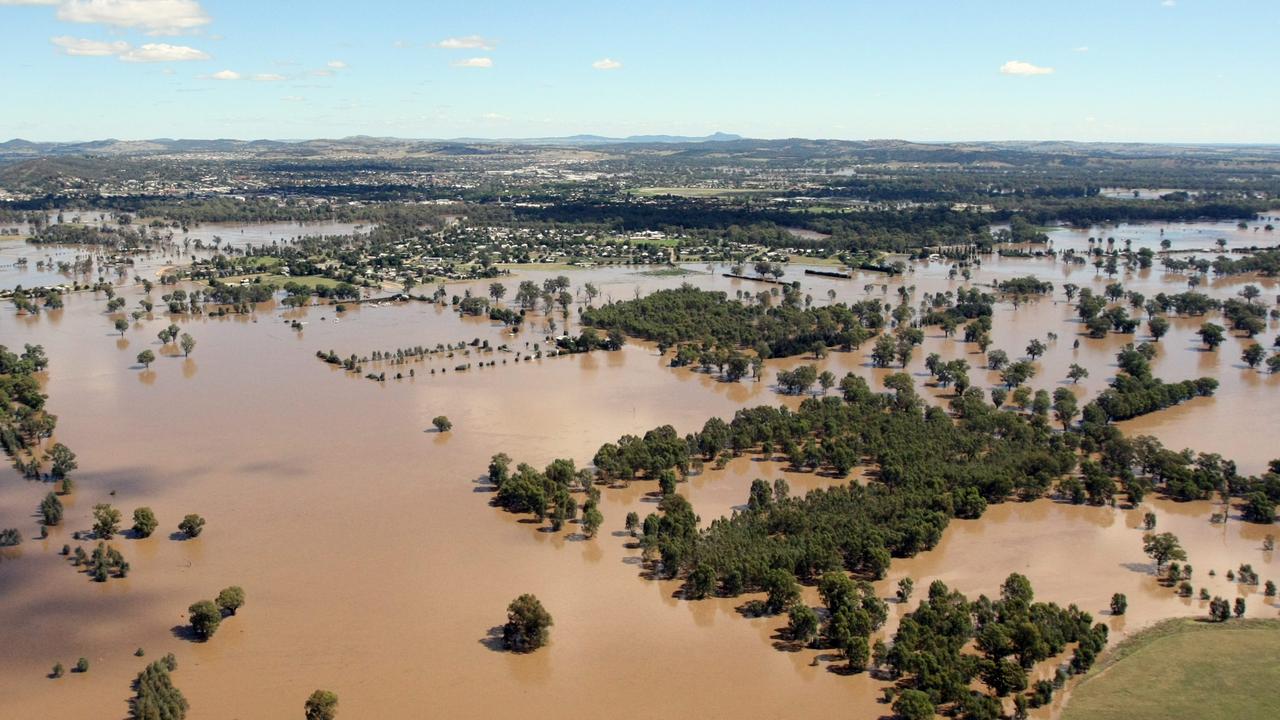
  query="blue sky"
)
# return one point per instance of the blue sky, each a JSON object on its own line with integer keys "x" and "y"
{"x": 1140, "y": 70}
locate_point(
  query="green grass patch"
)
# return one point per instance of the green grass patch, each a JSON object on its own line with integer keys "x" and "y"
{"x": 262, "y": 264}
{"x": 280, "y": 280}
{"x": 1186, "y": 669}
{"x": 660, "y": 242}
{"x": 516, "y": 267}
{"x": 817, "y": 261}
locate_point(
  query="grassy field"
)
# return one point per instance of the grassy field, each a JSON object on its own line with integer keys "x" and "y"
{"x": 661, "y": 242}
{"x": 263, "y": 263}
{"x": 698, "y": 192}
{"x": 1186, "y": 669}
{"x": 827, "y": 262}
{"x": 548, "y": 267}
{"x": 280, "y": 280}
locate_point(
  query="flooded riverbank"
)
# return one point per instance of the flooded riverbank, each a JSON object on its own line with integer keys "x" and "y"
{"x": 374, "y": 565}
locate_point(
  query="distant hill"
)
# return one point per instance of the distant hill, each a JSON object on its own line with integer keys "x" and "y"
{"x": 24, "y": 149}
{"x": 636, "y": 139}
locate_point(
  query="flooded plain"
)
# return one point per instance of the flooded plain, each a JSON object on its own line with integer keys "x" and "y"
{"x": 374, "y": 565}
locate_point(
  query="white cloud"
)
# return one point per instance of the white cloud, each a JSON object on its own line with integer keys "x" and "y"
{"x": 155, "y": 17}
{"x": 475, "y": 62}
{"x": 1019, "y": 67}
{"x": 322, "y": 73}
{"x": 1082, "y": 48}
{"x": 606, "y": 64}
{"x": 86, "y": 48}
{"x": 225, "y": 75}
{"x": 336, "y": 64}
{"x": 293, "y": 98}
{"x": 163, "y": 52}
{"x": 150, "y": 52}
{"x": 469, "y": 42}
{"x": 268, "y": 77}
{"x": 1168, "y": 3}
{"x": 495, "y": 117}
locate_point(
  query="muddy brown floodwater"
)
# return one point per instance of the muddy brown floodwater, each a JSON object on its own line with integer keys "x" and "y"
{"x": 375, "y": 567}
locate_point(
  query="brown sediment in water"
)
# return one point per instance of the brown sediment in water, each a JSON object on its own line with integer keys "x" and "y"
{"x": 375, "y": 567}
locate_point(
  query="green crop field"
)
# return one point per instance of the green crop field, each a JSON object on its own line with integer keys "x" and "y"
{"x": 1186, "y": 669}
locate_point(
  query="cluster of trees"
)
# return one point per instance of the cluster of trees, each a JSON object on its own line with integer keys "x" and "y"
{"x": 1263, "y": 262}
{"x": 155, "y": 697}
{"x": 852, "y": 614}
{"x": 1025, "y": 285}
{"x": 549, "y": 493}
{"x": 802, "y": 378}
{"x": 207, "y": 615}
{"x": 930, "y": 652}
{"x": 1183, "y": 475}
{"x": 30, "y": 301}
{"x": 122, "y": 238}
{"x": 590, "y": 340}
{"x": 185, "y": 341}
{"x": 930, "y": 469}
{"x": 688, "y": 314}
{"x": 23, "y": 421}
{"x": 104, "y": 561}
{"x": 1135, "y": 391}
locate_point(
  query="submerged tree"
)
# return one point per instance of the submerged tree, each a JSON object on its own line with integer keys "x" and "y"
{"x": 230, "y": 599}
{"x": 106, "y": 520}
{"x": 144, "y": 522}
{"x": 155, "y": 697}
{"x": 527, "y": 626}
{"x": 322, "y": 705}
{"x": 205, "y": 618}
{"x": 192, "y": 525}
{"x": 51, "y": 509}
{"x": 1162, "y": 548}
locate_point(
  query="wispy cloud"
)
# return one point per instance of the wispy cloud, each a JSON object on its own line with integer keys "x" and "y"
{"x": 82, "y": 47}
{"x": 475, "y": 62}
{"x": 1168, "y": 3}
{"x": 336, "y": 64}
{"x": 163, "y": 52}
{"x": 268, "y": 77}
{"x": 468, "y": 42}
{"x": 225, "y": 75}
{"x": 1082, "y": 48}
{"x": 155, "y": 17}
{"x": 1019, "y": 67}
{"x": 606, "y": 64}
{"x": 149, "y": 52}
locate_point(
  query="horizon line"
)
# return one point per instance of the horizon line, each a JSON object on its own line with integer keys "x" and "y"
{"x": 587, "y": 136}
